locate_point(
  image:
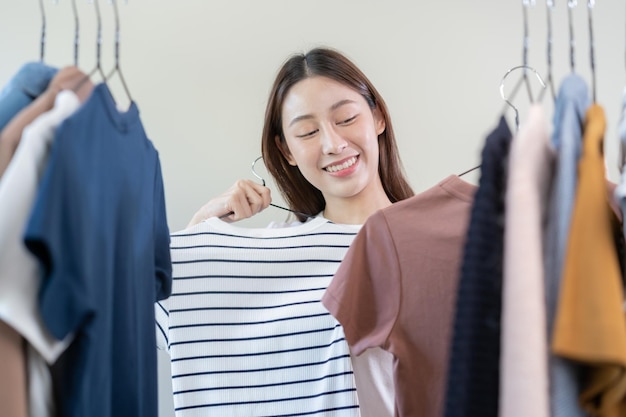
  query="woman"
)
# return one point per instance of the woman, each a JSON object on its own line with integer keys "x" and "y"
{"x": 329, "y": 144}
{"x": 322, "y": 111}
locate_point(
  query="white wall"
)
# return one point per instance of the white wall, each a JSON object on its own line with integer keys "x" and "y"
{"x": 201, "y": 70}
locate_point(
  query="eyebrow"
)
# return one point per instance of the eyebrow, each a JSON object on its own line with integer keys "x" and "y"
{"x": 309, "y": 116}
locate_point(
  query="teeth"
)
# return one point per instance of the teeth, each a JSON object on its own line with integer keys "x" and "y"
{"x": 347, "y": 164}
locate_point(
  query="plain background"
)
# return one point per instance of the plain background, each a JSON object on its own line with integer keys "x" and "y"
{"x": 200, "y": 72}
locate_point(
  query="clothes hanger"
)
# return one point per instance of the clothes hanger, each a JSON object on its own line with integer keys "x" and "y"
{"x": 264, "y": 184}
{"x": 42, "y": 44}
{"x": 522, "y": 80}
{"x": 592, "y": 49}
{"x": 117, "y": 69}
{"x": 570, "y": 6}
{"x": 549, "y": 78}
{"x": 76, "y": 32}
{"x": 508, "y": 100}
{"x": 98, "y": 67}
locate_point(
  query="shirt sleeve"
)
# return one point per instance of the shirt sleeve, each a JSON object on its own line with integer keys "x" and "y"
{"x": 364, "y": 295}
{"x": 162, "y": 317}
{"x": 163, "y": 261}
{"x": 52, "y": 234}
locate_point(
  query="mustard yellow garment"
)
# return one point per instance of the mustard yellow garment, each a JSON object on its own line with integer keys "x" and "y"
{"x": 590, "y": 327}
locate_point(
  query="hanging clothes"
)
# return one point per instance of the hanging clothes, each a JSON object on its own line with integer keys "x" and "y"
{"x": 473, "y": 375}
{"x": 245, "y": 328}
{"x": 396, "y": 286}
{"x": 524, "y": 384}
{"x": 98, "y": 229}
{"x": 569, "y": 115}
{"x": 19, "y": 270}
{"x": 590, "y": 327}
{"x": 26, "y": 85}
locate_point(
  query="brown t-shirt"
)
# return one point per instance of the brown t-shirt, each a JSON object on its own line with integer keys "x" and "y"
{"x": 396, "y": 289}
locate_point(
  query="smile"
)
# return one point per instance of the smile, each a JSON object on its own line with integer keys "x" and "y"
{"x": 345, "y": 165}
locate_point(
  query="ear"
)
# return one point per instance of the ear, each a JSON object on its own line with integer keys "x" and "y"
{"x": 284, "y": 149}
{"x": 379, "y": 121}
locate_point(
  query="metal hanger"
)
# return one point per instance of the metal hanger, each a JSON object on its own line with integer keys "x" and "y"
{"x": 549, "y": 78}
{"x": 76, "y": 31}
{"x": 592, "y": 48}
{"x": 522, "y": 80}
{"x": 572, "y": 44}
{"x": 507, "y": 100}
{"x": 42, "y": 42}
{"x": 263, "y": 182}
{"x": 117, "y": 69}
{"x": 98, "y": 68}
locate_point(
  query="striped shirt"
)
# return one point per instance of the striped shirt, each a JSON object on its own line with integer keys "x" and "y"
{"x": 245, "y": 328}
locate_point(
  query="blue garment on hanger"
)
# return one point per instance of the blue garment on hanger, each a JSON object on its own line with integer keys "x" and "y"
{"x": 99, "y": 231}
{"x": 27, "y": 84}
{"x": 569, "y": 118}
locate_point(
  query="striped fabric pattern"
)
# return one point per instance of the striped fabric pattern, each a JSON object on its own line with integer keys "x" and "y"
{"x": 245, "y": 328}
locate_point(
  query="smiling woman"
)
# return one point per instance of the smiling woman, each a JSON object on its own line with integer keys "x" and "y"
{"x": 335, "y": 146}
{"x": 328, "y": 143}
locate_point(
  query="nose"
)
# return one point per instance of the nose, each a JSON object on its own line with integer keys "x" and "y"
{"x": 332, "y": 141}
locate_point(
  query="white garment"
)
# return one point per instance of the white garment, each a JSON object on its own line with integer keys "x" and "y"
{"x": 256, "y": 284}
{"x": 373, "y": 374}
{"x": 19, "y": 270}
{"x": 524, "y": 369}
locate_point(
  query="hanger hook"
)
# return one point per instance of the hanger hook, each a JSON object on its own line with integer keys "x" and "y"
{"x": 524, "y": 67}
{"x": 525, "y": 5}
{"x": 254, "y": 170}
{"x": 42, "y": 43}
{"x": 549, "y": 78}
{"x": 117, "y": 50}
{"x": 99, "y": 40}
{"x": 572, "y": 43}
{"x": 592, "y": 58}
{"x": 76, "y": 31}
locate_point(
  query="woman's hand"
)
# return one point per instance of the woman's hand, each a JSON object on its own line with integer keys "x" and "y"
{"x": 244, "y": 199}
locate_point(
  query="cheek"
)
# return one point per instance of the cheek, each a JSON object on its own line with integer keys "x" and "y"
{"x": 299, "y": 153}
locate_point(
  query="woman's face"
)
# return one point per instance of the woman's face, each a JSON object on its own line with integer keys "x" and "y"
{"x": 332, "y": 137}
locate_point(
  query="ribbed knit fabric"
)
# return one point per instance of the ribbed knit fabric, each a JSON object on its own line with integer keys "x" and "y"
{"x": 247, "y": 333}
{"x": 473, "y": 374}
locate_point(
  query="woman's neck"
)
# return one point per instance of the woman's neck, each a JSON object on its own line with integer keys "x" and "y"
{"x": 353, "y": 211}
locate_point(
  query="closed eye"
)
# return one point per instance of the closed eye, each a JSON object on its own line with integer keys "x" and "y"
{"x": 308, "y": 134}
{"x": 348, "y": 120}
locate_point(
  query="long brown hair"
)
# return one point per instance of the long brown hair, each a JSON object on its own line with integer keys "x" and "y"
{"x": 299, "y": 193}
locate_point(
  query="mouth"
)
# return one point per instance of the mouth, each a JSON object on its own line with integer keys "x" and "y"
{"x": 343, "y": 165}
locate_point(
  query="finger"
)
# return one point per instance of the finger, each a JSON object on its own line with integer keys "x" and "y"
{"x": 240, "y": 206}
{"x": 262, "y": 197}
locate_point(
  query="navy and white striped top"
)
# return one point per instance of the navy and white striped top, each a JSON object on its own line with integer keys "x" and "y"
{"x": 245, "y": 328}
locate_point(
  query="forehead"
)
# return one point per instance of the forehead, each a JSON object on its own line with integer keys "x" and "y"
{"x": 317, "y": 94}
